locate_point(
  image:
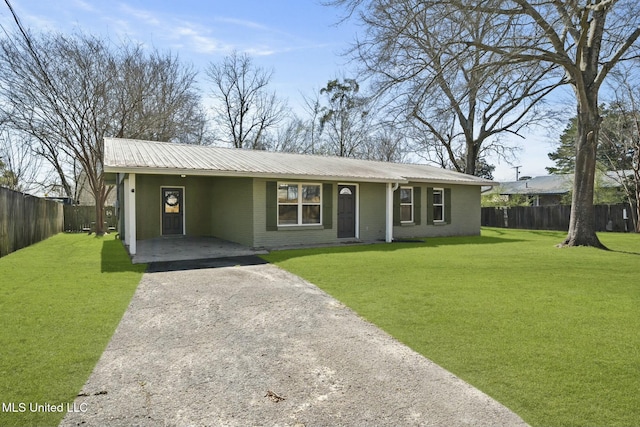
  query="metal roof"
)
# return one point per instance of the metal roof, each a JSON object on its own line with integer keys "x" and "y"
{"x": 151, "y": 157}
{"x": 550, "y": 184}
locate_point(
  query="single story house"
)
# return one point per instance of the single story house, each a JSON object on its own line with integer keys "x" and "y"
{"x": 268, "y": 200}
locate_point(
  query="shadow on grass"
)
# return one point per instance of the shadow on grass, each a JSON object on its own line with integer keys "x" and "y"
{"x": 114, "y": 258}
{"x": 560, "y": 235}
{"x": 401, "y": 244}
{"x": 435, "y": 242}
{"x": 624, "y": 252}
{"x": 548, "y": 233}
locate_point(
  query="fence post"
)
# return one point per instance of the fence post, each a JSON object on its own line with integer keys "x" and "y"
{"x": 82, "y": 218}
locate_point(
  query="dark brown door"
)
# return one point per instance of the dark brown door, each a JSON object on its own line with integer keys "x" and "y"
{"x": 346, "y": 211}
{"x": 172, "y": 211}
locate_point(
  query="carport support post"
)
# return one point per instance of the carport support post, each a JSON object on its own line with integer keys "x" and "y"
{"x": 131, "y": 213}
{"x": 389, "y": 214}
{"x": 124, "y": 205}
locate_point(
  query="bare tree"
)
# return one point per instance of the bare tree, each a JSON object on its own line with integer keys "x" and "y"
{"x": 620, "y": 140}
{"x": 155, "y": 98}
{"x": 313, "y": 129}
{"x": 289, "y": 137}
{"x": 341, "y": 121}
{"x": 301, "y": 134}
{"x": 22, "y": 169}
{"x": 451, "y": 90}
{"x": 386, "y": 144}
{"x": 69, "y": 92}
{"x": 584, "y": 38}
{"x": 344, "y": 119}
{"x": 587, "y": 38}
{"x": 245, "y": 109}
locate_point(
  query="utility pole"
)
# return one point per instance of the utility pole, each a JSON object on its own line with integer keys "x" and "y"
{"x": 517, "y": 168}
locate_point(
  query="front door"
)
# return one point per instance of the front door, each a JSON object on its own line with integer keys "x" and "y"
{"x": 172, "y": 211}
{"x": 346, "y": 211}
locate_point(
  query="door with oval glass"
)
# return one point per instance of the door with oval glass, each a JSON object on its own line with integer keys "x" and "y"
{"x": 346, "y": 211}
{"x": 172, "y": 211}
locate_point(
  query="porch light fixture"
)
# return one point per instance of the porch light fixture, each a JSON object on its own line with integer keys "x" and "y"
{"x": 183, "y": 176}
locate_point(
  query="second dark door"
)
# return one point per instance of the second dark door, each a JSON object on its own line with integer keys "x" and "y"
{"x": 346, "y": 211}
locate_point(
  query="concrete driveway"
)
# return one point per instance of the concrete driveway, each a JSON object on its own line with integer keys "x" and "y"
{"x": 235, "y": 342}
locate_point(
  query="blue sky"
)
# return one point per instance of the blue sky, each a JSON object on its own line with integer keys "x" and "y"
{"x": 297, "y": 39}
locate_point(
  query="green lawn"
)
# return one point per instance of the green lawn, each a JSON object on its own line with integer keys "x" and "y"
{"x": 60, "y": 302}
{"x": 553, "y": 334}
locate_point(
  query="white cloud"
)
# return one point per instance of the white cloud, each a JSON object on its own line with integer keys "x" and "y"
{"x": 260, "y": 39}
{"x": 120, "y": 27}
{"x": 242, "y": 23}
{"x": 145, "y": 16}
{"x": 81, "y": 4}
{"x": 260, "y": 51}
{"x": 32, "y": 21}
{"x": 197, "y": 39}
{"x": 197, "y": 36}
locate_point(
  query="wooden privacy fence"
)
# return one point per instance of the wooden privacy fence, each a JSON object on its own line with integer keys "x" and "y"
{"x": 83, "y": 218}
{"x": 608, "y": 217}
{"x": 25, "y": 220}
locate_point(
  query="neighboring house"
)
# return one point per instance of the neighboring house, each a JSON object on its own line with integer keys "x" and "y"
{"x": 539, "y": 191}
{"x": 85, "y": 195}
{"x": 63, "y": 200}
{"x": 270, "y": 199}
{"x": 544, "y": 190}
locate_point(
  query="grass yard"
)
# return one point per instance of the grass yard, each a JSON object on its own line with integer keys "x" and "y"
{"x": 553, "y": 334}
{"x": 60, "y": 302}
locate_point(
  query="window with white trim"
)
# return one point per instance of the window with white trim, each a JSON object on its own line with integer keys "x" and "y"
{"x": 406, "y": 204}
{"x": 438, "y": 205}
{"x": 299, "y": 204}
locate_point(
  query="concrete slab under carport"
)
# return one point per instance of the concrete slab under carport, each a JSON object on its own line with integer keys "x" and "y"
{"x": 183, "y": 248}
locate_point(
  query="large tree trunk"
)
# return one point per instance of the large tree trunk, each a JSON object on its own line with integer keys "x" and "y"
{"x": 582, "y": 226}
{"x": 636, "y": 183}
{"x": 100, "y": 195}
{"x": 471, "y": 158}
{"x": 636, "y": 220}
{"x": 100, "y": 201}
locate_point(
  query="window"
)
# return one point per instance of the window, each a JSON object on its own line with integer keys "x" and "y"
{"x": 406, "y": 204}
{"x": 438, "y": 205}
{"x": 299, "y": 204}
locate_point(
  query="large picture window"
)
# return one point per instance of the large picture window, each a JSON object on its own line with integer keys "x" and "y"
{"x": 438, "y": 205}
{"x": 299, "y": 204}
{"x": 406, "y": 204}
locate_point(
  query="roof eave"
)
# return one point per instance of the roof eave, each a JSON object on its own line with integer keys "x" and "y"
{"x": 242, "y": 174}
{"x": 534, "y": 193}
{"x": 440, "y": 181}
{"x": 267, "y": 175}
